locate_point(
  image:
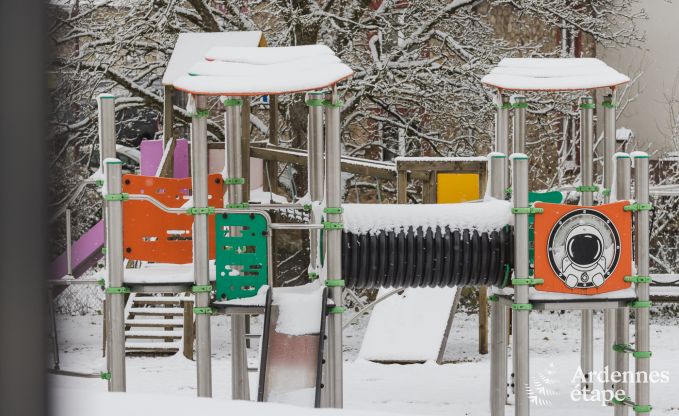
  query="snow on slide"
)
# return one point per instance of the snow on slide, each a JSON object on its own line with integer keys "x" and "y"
{"x": 409, "y": 327}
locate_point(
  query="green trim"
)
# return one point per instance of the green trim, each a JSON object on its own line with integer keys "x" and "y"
{"x": 527, "y": 282}
{"x": 606, "y": 192}
{"x": 638, "y": 279}
{"x": 122, "y": 290}
{"x": 201, "y": 288}
{"x": 608, "y": 104}
{"x": 504, "y": 106}
{"x": 642, "y": 354}
{"x": 640, "y": 304}
{"x": 337, "y": 309}
{"x": 313, "y": 275}
{"x": 508, "y": 191}
{"x": 334, "y": 283}
{"x": 103, "y": 250}
{"x": 105, "y": 375}
{"x": 234, "y": 181}
{"x": 622, "y": 348}
{"x": 200, "y": 210}
{"x": 638, "y": 207}
{"x": 203, "y": 311}
{"x": 502, "y": 156}
{"x": 641, "y": 156}
{"x": 117, "y": 197}
{"x": 329, "y": 225}
{"x": 113, "y": 162}
{"x": 329, "y": 103}
{"x": 520, "y": 105}
{"x": 527, "y": 210}
{"x": 306, "y": 207}
{"x": 242, "y": 205}
{"x": 200, "y": 113}
{"x": 642, "y": 408}
{"x": 505, "y": 280}
{"x": 493, "y": 298}
{"x": 315, "y": 102}
{"x": 518, "y": 156}
{"x": 588, "y": 106}
{"x": 522, "y": 306}
{"x": 231, "y": 102}
{"x": 587, "y": 188}
{"x": 106, "y": 96}
{"x": 101, "y": 282}
{"x": 331, "y": 210}
{"x": 622, "y": 402}
{"x": 99, "y": 183}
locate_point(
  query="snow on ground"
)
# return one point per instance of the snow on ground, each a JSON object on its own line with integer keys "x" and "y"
{"x": 457, "y": 388}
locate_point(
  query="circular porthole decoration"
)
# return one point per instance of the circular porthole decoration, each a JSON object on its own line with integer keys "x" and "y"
{"x": 583, "y": 248}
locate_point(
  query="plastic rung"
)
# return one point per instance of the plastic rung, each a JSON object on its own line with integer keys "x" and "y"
{"x": 334, "y": 283}
{"x": 520, "y": 105}
{"x": 522, "y": 306}
{"x": 621, "y": 402}
{"x": 589, "y": 106}
{"x": 638, "y": 279}
{"x": 640, "y": 304}
{"x": 608, "y": 104}
{"x": 527, "y": 282}
{"x": 333, "y": 210}
{"x": 201, "y": 288}
{"x": 307, "y": 207}
{"x": 117, "y": 290}
{"x": 313, "y": 275}
{"x": 203, "y": 311}
{"x": 329, "y": 103}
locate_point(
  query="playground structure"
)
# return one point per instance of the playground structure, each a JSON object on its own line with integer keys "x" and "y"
{"x": 450, "y": 245}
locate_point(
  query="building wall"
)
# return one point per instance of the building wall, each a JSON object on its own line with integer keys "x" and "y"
{"x": 658, "y": 59}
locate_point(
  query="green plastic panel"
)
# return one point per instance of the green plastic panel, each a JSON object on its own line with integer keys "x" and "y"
{"x": 242, "y": 260}
{"x": 552, "y": 197}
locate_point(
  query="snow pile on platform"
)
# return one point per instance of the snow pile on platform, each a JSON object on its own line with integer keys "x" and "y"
{"x": 553, "y": 74}
{"x": 157, "y": 273}
{"x": 299, "y": 309}
{"x": 483, "y": 216}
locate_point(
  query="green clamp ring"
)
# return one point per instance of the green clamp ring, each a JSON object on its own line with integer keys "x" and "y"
{"x": 234, "y": 181}
{"x": 520, "y": 105}
{"x": 638, "y": 279}
{"x": 606, "y": 192}
{"x": 329, "y": 225}
{"x": 105, "y": 375}
{"x": 117, "y": 197}
{"x": 306, "y": 207}
{"x": 200, "y": 210}
{"x": 331, "y": 210}
{"x": 622, "y": 348}
{"x": 608, "y": 104}
{"x": 102, "y": 283}
{"x": 329, "y": 103}
{"x": 638, "y": 207}
{"x": 117, "y": 290}
{"x": 522, "y": 306}
{"x": 201, "y": 288}
{"x": 201, "y": 113}
{"x": 315, "y": 102}
{"x": 99, "y": 183}
{"x": 642, "y": 408}
{"x": 493, "y": 298}
{"x": 242, "y": 205}
{"x": 642, "y": 354}
{"x": 508, "y": 191}
{"x": 527, "y": 210}
{"x": 337, "y": 309}
{"x": 504, "y": 106}
{"x": 589, "y": 106}
{"x": 334, "y": 283}
{"x": 640, "y": 304}
{"x": 527, "y": 282}
{"x": 203, "y": 311}
{"x": 587, "y": 188}
{"x": 621, "y": 402}
{"x": 313, "y": 275}
{"x": 230, "y": 102}
{"x": 103, "y": 250}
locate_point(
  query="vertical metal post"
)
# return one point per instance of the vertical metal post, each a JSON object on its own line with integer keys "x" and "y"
{"x": 56, "y": 362}
{"x": 271, "y": 166}
{"x": 201, "y": 276}
{"x": 609, "y": 148}
{"x": 333, "y": 248}
{"x": 641, "y": 334}
{"x": 519, "y": 105}
{"x": 107, "y": 131}
{"x": 316, "y": 164}
{"x": 168, "y": 121}
{"x": 521, "y": 306}
{"x": 502, "y": 123}
{"x": 115, "y": 293}
{"x": 240, "y": 387}
{"x": 498, "y": 312}
{"x": 69, "y": 242}
{"x": 587, "y": 199}
{"x": 622, "y": 187}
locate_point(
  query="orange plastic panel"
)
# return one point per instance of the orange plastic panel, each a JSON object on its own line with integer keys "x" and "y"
{"x": 583, "y": 250}
{"x": 151, "y": 234}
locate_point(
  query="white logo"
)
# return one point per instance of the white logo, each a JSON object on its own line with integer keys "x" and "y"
{"x": 540, "y": 390}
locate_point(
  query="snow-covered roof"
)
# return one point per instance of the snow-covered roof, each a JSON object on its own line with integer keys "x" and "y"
{"x": 553, "y": 74}
{"x": 261, "y": 71}
{"x": 192, "y": 47}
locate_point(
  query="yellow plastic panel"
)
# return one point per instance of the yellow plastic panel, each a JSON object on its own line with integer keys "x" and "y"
{"x": 457, "y": 187}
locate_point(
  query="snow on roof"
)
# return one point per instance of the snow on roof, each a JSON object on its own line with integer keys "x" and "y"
{"x": 262, "y": 71}
{"x": 192, "y": 47}
{"x": 483, "y": 216}
{"x": 553, "y": 74}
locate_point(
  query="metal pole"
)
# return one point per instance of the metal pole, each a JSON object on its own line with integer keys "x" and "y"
{"x": 107, "y": 132}
{"x": 240, "y": 388}
{"x": 641, "y": 334}
{"x": 502, "y": 123}
{"x": 519, "y": 106}
{"x": 334, "y": 248}
{"x": 53, "y": 328}
{"x": 498, "y": 312}
{"x": 587, "y": 180}
{"x": 316, "y": 164}
{"x": 521, "y": 307}
{"x": 609, "y": 148}
{"x": 168, "y": 121}
{"x": 201, "y": 276}
{"x": 622, "y": 186}
{"x": 115, "y": 293}
{"x": 69, "y": 248}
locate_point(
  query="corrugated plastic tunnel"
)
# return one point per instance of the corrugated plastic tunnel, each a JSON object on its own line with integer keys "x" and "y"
{"x": 429, "y": 253}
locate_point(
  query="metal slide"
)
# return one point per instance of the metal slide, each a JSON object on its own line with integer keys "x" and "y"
{"x": 291, "y": 366}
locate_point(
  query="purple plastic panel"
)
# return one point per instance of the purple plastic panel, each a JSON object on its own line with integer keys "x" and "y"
{"x": 85, "y": 252}
{"x": 152, "y": 153}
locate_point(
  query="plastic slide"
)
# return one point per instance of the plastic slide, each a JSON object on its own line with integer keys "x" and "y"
{"x": 85, "y": 251}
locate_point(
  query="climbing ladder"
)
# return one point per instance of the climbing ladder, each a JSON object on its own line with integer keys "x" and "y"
{"x": 154, "y": 324}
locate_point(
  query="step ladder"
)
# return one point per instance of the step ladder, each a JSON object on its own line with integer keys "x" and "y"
{"x": 155, "y": 323}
